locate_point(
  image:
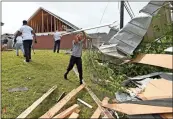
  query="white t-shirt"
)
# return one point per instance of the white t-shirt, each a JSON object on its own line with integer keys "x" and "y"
{"x": 26, "y": 32}
{"x": 57, "y": 36}
{"x": 19, "y": 39}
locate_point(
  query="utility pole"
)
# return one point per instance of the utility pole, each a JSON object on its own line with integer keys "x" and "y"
{"x": 122, "y": 15}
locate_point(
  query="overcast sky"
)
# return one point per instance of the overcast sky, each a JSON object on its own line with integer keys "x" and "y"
{"x": 81, "y": 14}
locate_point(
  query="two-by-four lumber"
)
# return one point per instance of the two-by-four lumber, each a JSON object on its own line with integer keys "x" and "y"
{"x": 97, "y": 113}
{"x": 42, "y": 22}
{"x": 74, "y": 115}
{"x": 61, "y": 103}
{"x": 36, "y": 103}
{"x": 66, "y": 112}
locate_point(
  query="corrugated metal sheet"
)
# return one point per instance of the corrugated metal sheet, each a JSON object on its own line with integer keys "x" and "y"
{"x": 128, "y": 38}
{"x": 152, "y": 7}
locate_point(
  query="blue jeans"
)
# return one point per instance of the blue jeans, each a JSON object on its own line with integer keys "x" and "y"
{"x": 19, "y": 46}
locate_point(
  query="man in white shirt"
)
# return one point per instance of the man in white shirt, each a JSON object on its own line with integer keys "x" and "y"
{"x": 57, "y": 38}
{"x": 19, "y": 45}
{"x": 26, "y": 32}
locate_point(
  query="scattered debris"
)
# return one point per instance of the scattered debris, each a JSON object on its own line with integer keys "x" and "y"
{"x": 18, "y": 89}
{"x": 97, "y": 113}
{"x": 61, "y": 103}
{"x": 4, "y": 110}
{"x": 36, "y": 103}
{"x": 170, "y": 49}
{"x": 105, "y": 112}
{"x": 84, "y": 103}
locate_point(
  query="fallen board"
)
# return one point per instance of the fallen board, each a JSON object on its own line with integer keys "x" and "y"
{"x": 66, "y": 112}
{"x": 97, "y": 113}
{"x": 104, "y": 111}
{"x": 136, "y": 109}
{"x": 156, "y": 89}
{"x": 74, "y": 115}
{"x": 36, "y": 103}
{"x": 167, "y": 88}
{"x": 161, "y": 60}
{"x": 61, "y": 103}
{"x": 95, "y": 98}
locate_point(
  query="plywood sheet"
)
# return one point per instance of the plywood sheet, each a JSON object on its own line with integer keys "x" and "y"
{"x": 160, "y": 89}
{"x": 161, "y": 60}
{"x": 156, "y": 89}
{"x": 61, "y": 103}
{"x": 135, "y": 109}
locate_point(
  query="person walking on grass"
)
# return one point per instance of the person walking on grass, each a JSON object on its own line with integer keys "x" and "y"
{"x": 19, "y": 45}
{"x": 57, "y": 38}
{"x": 76, "y": 55}
{"x": 26, "y": 32}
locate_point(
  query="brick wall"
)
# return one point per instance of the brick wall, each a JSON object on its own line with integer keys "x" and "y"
{"x": 47, "y": 42}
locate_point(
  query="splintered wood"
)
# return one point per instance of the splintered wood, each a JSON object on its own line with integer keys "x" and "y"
{"x": 66, "y": 112}
{"x": 157, "y": 89}
{"x": 61, "y": 103}
{"x": 36, "y": 103}
{"x": 161, "y": 60}
{"x": 97, "y": 113}
{"x": 104, "y": 111}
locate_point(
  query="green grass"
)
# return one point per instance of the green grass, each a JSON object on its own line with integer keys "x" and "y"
{"x": 45, "y": 71}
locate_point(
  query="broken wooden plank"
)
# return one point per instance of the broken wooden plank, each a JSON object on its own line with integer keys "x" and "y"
{"x": 161, "y": 60}
{"x": 88, "y": 105}
{"x": 160, "y": 92}
{"x": 61, "y": 103}
{"x": 74, "y": 115}
{"x": 104, "y": 111}
{"x": 97, "y": 113}
{"x": 95, "y": 98}
{"x": 135, "y": 109}
{"x": 66, "y": 112}
{"x": 36, "y": 103}
{"x": 77, "y": 111}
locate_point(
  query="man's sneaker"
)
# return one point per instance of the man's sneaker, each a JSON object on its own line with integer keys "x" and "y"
{"x": 25, "y": 61}
{"x": 65, "y": 76}
{"x": 82, "y": 82}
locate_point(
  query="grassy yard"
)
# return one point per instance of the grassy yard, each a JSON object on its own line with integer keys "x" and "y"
{"x": 45, "y": 71}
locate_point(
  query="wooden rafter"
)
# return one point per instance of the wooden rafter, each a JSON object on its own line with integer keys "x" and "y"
{"x": 42, "y": 21}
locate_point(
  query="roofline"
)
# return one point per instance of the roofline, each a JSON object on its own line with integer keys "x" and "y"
{"x": 61, "y": 19}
